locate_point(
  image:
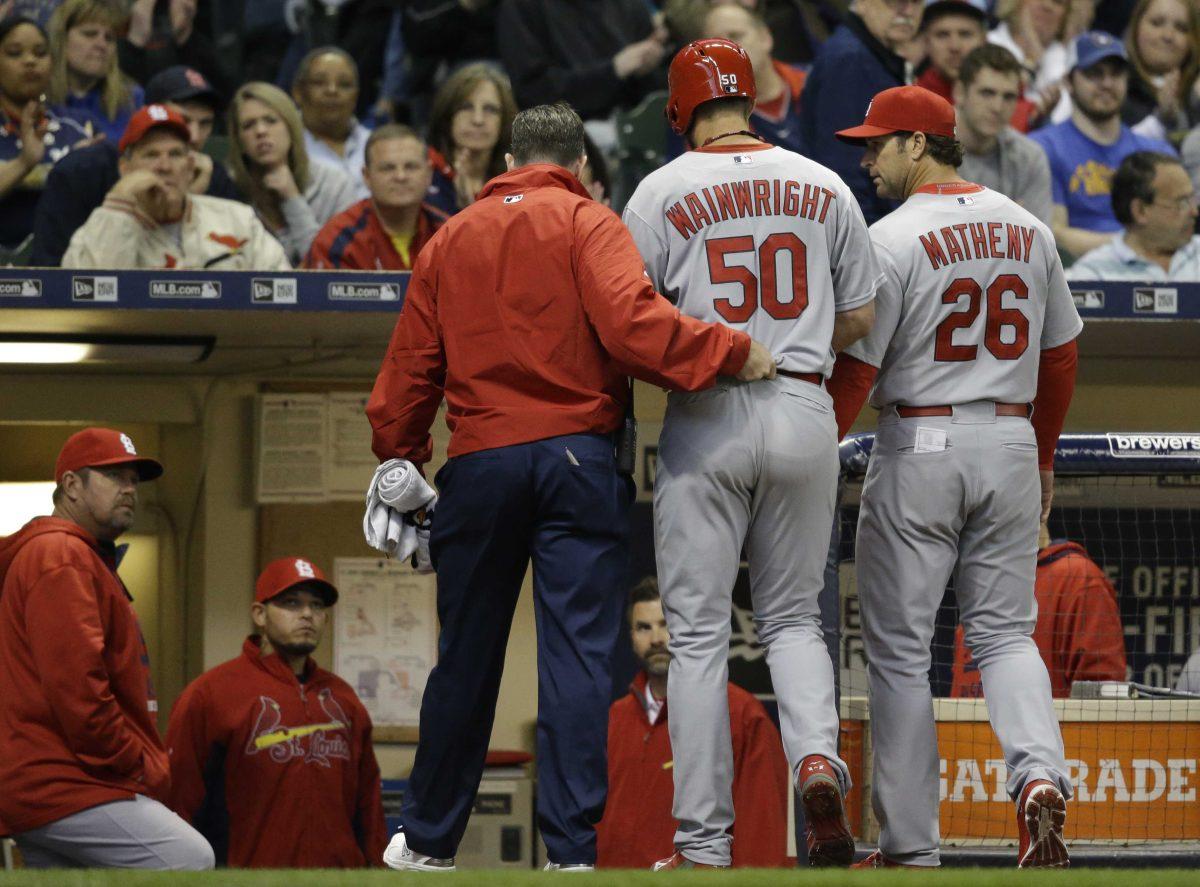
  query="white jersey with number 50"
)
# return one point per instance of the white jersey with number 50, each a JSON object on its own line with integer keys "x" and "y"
{"x": 758, "y": 238}
{"x": 973, "y": 291}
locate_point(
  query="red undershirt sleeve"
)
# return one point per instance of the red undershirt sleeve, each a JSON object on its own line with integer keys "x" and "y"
{"x": 848, "y": 385}
{"x": 1056, "y": 385}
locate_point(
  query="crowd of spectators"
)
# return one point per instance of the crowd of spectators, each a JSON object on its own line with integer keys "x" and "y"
{"x": 281, "y": 98}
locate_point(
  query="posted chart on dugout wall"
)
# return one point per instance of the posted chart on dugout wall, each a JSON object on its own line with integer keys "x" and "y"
{"x": 385, "y": 636}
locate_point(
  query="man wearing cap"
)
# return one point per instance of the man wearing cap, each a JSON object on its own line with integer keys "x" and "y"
{"x": 84, "y": 773}
{"x": 149, "y": 220}
{"x": 1085, "y": 151}
{"x": 271, "y": 755}
{"x": 74, "y": 189}
{"x": 858, "y": 60}
{"x": 958, "y": 473}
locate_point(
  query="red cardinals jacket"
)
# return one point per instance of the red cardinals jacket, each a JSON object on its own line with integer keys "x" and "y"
{"x": 355, "y": 238}
{"x": 638, "y": 828}
{"x": 528, "y": 309}
{"x": 274, "y": 772}
{"x": 77, "y": 709}
{"x": 1078, "y": 632}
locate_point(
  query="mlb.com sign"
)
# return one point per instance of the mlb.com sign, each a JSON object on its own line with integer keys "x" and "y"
{"x": 1168, "y": 446}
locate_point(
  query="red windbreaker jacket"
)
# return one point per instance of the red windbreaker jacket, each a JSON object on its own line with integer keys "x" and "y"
{"x": 528, "y": 309}
{"x": 1078, "y": 632}
{"x": 77, "y": 708}
{"x": 355, "y": 238}
{"x": 638, "y": 828}
{"x": 274, "y": 772}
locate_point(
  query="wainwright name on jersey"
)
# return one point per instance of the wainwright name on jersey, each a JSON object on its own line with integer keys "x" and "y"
{"x": 970, "y": 281}
{"x": 750, "y": 236}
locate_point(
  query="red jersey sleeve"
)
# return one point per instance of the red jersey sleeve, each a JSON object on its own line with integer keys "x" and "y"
{"x": 412, "y": 380}
{"x": 1091, "y": 644}
{"x": 369, "y": 826}
{"x": 188, "y": 744}
{"x": 848, "y": 385}
{"x": 760, "y": 788}
{"x": 1056, "y": 385}
{"x": 641, "y": 330}
{"x": 66, "y": 638}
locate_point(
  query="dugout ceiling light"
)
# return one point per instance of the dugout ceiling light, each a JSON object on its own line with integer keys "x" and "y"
{"x": 38, "y": 348}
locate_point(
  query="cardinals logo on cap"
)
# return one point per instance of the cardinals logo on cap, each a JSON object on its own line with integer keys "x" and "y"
{"x": 127, "y": 443}
{"x": 305, "y": 569}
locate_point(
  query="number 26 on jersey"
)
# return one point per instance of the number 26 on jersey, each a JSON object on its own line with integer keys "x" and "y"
{"x": 1005, "y": 330}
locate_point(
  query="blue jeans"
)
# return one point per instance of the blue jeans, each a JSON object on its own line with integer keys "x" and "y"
{"x": 560, "y": 503}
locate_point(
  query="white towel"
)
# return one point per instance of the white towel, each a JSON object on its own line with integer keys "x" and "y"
{"x": 396, "y": 490}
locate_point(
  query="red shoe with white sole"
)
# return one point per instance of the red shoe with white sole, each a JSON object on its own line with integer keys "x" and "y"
{"x": 1041, "y": 814}
{"x": 830, "y": 843}
{"x": 678, "y": 861}
{"x": 878, "y": 861}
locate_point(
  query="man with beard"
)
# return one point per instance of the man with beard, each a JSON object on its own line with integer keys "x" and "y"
{"x": 259, "y": 743}
{"x": 84, "y": 773}
{"x": 858, "y": 60}
{"x": 150, "y": 220}
{"x": 1085, "y": 150}
{"x": 994, "y": 154}
{"x": 638, "y": 827}
{"x": 1155, "y": 201}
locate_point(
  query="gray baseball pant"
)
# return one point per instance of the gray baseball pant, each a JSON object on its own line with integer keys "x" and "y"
{"x": 971, "y": 509}
{"x": 753, "y": 464}
{"x": 139, "y": 833}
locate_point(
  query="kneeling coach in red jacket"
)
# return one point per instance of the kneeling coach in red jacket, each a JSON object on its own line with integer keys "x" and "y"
{"x": 271, "y": 755}
{"x": 638, "y": 827}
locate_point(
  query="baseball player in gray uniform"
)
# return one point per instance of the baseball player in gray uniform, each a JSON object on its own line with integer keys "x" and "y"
{"x": 764, "y": 240}
{"x": 973, "y": 301}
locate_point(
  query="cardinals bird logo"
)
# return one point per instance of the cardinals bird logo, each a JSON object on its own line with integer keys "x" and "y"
{"x": 285, "y": 743}
{"x": 233, "y": 244}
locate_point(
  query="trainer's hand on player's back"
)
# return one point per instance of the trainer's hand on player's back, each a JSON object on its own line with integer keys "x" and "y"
{"x": 759, "y": 364}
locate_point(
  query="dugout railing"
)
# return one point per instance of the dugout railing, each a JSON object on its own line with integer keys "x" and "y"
{"x": 1131, "y": 501}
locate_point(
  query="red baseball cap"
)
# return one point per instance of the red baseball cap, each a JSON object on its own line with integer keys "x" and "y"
{"x": 151, "y": 117}
{"x": 94, "y": 447}
{"x": 903, "y": 109}
{"x": 287, "y": 572}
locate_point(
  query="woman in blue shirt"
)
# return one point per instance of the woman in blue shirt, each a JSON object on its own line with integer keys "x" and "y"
{"x": 33, "y": 137}
{"x": 85, "y": 77}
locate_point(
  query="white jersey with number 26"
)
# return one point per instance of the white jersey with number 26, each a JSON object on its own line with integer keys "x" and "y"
{"x": 973, "y": 291}
{"x": 758, "y": 238}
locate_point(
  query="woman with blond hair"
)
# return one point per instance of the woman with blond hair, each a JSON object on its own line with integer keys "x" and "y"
{"x": 470, "y": 128}
{"x": 1163, "y": 42}
{"x": 85, "y": 77}
{"x": 293, "y": 195}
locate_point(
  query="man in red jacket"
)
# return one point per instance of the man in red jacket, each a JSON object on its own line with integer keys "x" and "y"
{"x": 82, "y": 768}
{"x": 271, "y": 755}
{"x": 527, "y": 310}
{"x": 638, "y": 827}
{"x": 1078, "y": 630}
{"x": 385, "y": 231}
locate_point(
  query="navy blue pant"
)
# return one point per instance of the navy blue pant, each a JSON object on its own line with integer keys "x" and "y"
{"x": 560, "y": 503}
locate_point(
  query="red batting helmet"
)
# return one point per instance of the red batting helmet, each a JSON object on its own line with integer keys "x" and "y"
{"x": 705, "y": 70}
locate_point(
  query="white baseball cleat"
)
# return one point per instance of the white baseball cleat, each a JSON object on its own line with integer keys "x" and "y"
{"x": 401, "y": 857}
{"x": 568, "y": 867}
{"x": 1041, "y": 814}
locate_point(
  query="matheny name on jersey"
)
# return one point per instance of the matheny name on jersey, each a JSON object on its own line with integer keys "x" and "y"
{"x": 977, "y": 240}
{"x": 749, "y": 198}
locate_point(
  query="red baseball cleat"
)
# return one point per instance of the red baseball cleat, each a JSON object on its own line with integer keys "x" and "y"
{"x": 826, "y": 827}
{"x": 678, "y": 861}
{"x": 1041, "y": 814}
{"x": 878, "y": 861}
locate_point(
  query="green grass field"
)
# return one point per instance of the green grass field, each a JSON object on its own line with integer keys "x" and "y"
{"x": 743, "y": 878}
